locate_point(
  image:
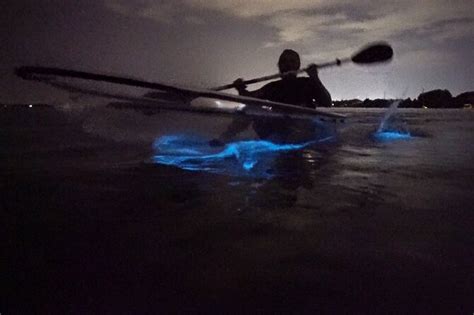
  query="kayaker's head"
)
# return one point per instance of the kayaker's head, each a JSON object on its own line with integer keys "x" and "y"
{"x": 289, "y": 61}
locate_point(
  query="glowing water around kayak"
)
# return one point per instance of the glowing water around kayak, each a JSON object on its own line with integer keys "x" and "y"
{"x": 246, "y": 158}
{"x": 241, "y": 158}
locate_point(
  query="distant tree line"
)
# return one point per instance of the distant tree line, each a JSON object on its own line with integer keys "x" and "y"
{"x": 430, "y": 99}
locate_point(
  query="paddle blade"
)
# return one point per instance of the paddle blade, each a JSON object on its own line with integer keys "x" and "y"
{"x": 378, "y": 52}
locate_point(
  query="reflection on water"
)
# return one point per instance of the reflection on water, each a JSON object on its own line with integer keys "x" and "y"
{"x": 268, "y": 175}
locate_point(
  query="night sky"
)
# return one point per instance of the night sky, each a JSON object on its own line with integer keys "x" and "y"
{"x": 205, "y": 43}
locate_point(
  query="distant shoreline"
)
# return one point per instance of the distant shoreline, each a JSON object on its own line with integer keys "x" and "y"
{"x": 431, "y": 99}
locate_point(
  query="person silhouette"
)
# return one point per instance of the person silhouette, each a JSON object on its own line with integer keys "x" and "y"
{"x": 301, "y": 91}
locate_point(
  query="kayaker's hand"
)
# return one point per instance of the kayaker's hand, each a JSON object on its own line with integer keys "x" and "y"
{"x": 216, "y": 143}
{"x": 312, "y": 71}
{"x": 240, "y": 85}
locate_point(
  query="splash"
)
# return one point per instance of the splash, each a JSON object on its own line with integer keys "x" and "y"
{"x": 242, "y": 158}
{"x": 392, "y": 135}
{"x": 391, "y": 132}
{"x": 391, "y": 110}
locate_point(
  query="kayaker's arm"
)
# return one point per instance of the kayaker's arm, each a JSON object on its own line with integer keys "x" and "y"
{"x": 319, "y": 91}
{"x": 242, "y": 89}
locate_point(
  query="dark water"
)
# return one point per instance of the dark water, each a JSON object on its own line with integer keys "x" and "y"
{"x": 355, "y": 225}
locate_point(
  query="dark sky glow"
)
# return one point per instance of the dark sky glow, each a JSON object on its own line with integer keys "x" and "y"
{"x": 205, "y": 43}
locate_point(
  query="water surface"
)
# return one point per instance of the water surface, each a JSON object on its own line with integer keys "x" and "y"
{"x": 358, "y": 224}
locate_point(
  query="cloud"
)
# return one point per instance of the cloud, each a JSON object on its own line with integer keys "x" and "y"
{"x": 255, "y": 8}
{"x": 329, "y": 25}
{"x": 294, "y": 26}
{"x": 165, "y": 12}
{"x": 195, "y": 20}
{"x": 160, "y": 12}
{"x": 425, "y": 58}
{"x": 419, "y": 15}
{"x": 295, "y": 20}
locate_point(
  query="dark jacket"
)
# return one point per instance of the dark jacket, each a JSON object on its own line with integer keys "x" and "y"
{"x": 302, "y": 91}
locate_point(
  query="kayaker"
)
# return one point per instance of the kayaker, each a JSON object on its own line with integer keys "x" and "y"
{"x": 303, "y": 91}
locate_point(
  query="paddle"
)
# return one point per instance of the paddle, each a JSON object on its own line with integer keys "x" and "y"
{"x": 47, "y": 75}
{"x": 373, "y": 53}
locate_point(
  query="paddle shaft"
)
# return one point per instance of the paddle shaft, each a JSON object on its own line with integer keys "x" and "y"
{"x": 337, "y": 62}
{"x": 376, "y": 52}
{"x": 39, "y": 73}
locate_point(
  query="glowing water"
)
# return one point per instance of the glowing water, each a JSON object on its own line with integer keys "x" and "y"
{"x": 391, "y": 110}
{"x": 385, "y": 132}
{"x": 391, "y": 135}
{"x": 237, "y": 158}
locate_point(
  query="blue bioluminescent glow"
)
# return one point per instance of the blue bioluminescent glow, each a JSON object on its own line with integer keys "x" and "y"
{"x": 392, "y": 135}
{"x": 238, "y": 158}
{"x": 248, "y": 165}
{"x": 387, "y": 131}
